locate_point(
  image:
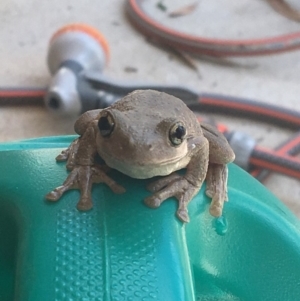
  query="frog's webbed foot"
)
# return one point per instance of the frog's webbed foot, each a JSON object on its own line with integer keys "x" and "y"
{"x": 172, "y": 185}
{"x": 216, "y": 188}
{"x": 82, "y": 177}
{"x": 69, "y": 154}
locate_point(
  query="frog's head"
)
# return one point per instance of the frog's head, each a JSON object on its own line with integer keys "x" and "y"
{"x": 144, "y": 144}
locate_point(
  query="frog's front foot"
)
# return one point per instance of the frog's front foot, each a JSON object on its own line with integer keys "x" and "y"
{"x": 82, "y": 178}
{"x": 69, "y": 155}
{"x": 216, "y": 187}
{"x": 172, "y": 185}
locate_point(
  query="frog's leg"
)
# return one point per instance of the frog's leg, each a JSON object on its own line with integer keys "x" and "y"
{"x": 79, "y": 178}
{"x": 220, "y": 153}
{"x": 183, "y": 188}
{"x": 84, "y": 172}
{"x": 216, "y": 187}
{"x": 69, "y": 154}
{"x": 80, "y": 127}
{"x": 82, "y": 178}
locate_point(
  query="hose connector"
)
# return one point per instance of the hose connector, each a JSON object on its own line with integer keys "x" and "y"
{"x": 74, "y": 50}
{"x": 242, "y": 145}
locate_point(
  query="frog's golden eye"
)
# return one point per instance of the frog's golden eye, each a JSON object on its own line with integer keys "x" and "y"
{"x": 177, "y": 133}
{"x": 106, "y": 124}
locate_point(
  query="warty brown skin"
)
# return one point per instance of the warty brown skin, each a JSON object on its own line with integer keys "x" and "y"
{"x": 147, "y": 134}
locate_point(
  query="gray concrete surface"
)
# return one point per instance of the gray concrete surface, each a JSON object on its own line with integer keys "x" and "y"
{"x": 27, "y": 25}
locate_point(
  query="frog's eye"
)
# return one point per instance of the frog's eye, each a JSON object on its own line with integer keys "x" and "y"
{"x": 106, "y": 124}
{"x": 177, "y": 133}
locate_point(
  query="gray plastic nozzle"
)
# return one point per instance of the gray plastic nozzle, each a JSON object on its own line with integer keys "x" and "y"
{"x": 63, "y": 97}
{"x": 71, "y": 54}
{"x": 78, "y": 47}
{"x": 242, "y": 145}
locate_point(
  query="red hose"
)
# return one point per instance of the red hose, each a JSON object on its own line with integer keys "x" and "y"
{"x": 269, "y": 159}
{"x": 289, "y": 148}
{"x": 22, "y": 96}
{"x": 250, "y": 109}
{"x": 208, "y": 46}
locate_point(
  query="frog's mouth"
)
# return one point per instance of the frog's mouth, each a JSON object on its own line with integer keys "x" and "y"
{"x": 146, "y": 170}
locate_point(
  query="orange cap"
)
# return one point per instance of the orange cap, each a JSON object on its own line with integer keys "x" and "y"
{"x": 91, "y": 31}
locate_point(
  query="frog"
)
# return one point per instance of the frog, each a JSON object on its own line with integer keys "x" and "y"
{"x": 143, "y": 135}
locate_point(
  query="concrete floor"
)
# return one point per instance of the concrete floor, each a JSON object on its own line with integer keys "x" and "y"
{"x": 27, "y": 25}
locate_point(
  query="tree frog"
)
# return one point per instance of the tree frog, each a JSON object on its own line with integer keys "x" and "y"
{"x": 146, "y": 134}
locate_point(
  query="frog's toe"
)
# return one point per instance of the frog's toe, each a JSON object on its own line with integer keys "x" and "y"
{"x": 163, "y": 182}
{"x": 54, "y": 195}
{"x": 217, "y": 188}
{"x": 209, "y": 193}
{"x": 118, "y": 189}
{"x": 85, "y": 204}
{"x": 183, "y": 215}
{"x": 152, "y": 202}
{"x": 216, "y": 211}
{"x": 62, "y": 157}
{"x": 153, "y": 187}
{"x": 216, "y": 207}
